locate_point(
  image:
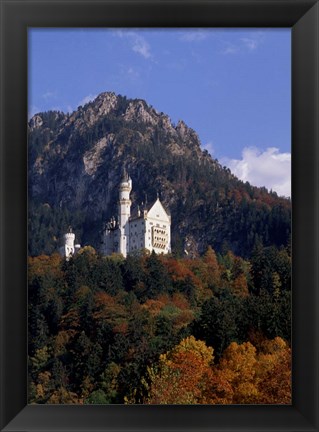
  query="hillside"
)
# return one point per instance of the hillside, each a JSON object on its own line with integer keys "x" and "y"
{"x": 75, "y": 163}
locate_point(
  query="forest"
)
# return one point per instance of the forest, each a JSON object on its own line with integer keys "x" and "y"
{"x": 155, "y": 329}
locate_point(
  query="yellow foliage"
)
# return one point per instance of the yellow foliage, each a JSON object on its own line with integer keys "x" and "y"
{"x": 43, "y": 385}
{"x": 196, "y": 347}
{"x": 61, "y": 340}
{"x": 258, "y": 377}
{"x": 86, "y": 387}
{"x": 240, "y": 359}
{"x": 63, "y": 396}
{"x": 40, "y": 358}
{"x": 276, "y": 345}
{"x": 87, "y": 250}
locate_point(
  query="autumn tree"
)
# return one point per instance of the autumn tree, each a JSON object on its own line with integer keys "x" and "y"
{"x": 237, "y": 366}
{"x": 180, "y": 375}
{"x": 274, "y": 372}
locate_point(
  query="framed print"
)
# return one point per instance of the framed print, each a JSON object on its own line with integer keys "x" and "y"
{"x": 110, "y": 288}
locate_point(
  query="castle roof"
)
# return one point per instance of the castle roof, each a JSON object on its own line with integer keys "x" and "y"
{"x": 146, "y": 208}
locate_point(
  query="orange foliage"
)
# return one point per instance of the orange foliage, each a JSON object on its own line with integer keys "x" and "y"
{"x": 71, "y": 320}
{"x": 178, "y": 270}
{"x": 207, "y": 268}
{"x": 45, "y": 265}
{"x": 61, "y": 340}
{"x": 274, "y": 372}
{"x": 187, "y": 375}
{"x": 182, "y": 315}
{"x": 181, "y": 375}
{"x": 218, "y": 390}
{"x": 153, "y": 306}
{"x": 239, "y": 286}
{"x": 108, "y": 308}
{"x": 180, "y": 301}
{"x": 164, "y": 298}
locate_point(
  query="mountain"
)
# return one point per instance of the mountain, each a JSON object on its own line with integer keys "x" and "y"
{"x": 75, "y": 164}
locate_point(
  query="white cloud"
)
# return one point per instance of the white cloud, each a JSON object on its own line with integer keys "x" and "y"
{"x": 269, "y": 168}
{"x": 141, "y": 47}
{"x": 250, "y": 43}
{"x": 49, "y": 95}
{"x": 243, "y": 44}
{"x": 133, "y": 74}
{"x": 137, "y": 42}
{"x": 87, "y": 99}
{"x": 230, "y": 48}
{"x": 193, "y": 36}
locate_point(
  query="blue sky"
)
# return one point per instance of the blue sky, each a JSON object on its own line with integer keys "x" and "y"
{"x": 232, "y": 86}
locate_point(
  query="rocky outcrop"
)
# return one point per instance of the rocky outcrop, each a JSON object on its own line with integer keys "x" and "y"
{"x": 36, "y": 122}
{"x": 93, "y": 158}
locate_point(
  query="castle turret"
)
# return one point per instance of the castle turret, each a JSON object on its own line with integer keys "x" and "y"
{"x": 68, "y": 249}
{"x": 124, "y": 213}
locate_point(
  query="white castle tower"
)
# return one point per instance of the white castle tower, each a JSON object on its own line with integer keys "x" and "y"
{"x": 69, "y": 249}
{"x": 124, "y": 213}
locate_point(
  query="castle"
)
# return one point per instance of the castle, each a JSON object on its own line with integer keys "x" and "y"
{"x": 149, "y": 227}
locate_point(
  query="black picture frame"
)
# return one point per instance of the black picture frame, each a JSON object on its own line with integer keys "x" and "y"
{"x": 302, "y": 16}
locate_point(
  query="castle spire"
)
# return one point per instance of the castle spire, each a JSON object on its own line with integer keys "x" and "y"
{"x": 125, "y": 176}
